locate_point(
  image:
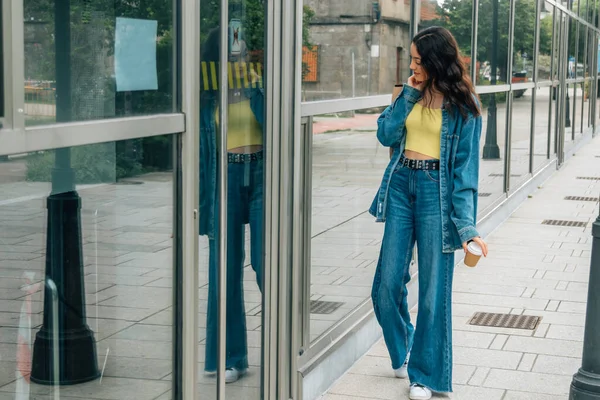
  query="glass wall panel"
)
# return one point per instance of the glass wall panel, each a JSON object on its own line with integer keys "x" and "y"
{"x": 86, "y": 239}
{"x": 244, "y": 233}
{"x": 523, "y": 53}
{"x": 355, "y": 48}
{"x": 456, "y": 17}
{"x": 113, "y": 58}
{"x": 492, "y": 42}
{"x": 524, "y": 42}
{"x": 348, "y": 165}
{"x": 493, "y": 139}
{"x": 545, "y": 49}
{"x": 557, "y": 42}
{"x": 544, "y": 127}
{"x": 581, "y": 51}
{"x": 520, "y": 140}
{"x": 2, "y": 99}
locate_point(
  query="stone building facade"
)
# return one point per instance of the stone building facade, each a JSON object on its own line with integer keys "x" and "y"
{"x": 373, "y": 34}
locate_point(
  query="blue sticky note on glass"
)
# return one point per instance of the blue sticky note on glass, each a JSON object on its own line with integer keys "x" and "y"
{"x": 135, "y": 54}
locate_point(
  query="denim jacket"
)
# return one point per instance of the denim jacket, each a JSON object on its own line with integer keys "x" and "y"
{"x": 459, "y": 166}
{"x": 209, "y": 205}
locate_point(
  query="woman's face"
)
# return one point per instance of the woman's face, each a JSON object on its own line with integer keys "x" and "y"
{"x": 415, "y": 64}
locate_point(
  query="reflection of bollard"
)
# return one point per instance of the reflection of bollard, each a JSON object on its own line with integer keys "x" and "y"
{"x": 568, "y": 112}
{"x": 77, "y": 359}
{"x": 491, "y": 151}
{"x": 586, "y": 382}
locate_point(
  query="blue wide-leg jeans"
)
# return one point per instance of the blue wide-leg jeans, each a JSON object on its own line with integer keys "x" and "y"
{"x": 414, "y": 214}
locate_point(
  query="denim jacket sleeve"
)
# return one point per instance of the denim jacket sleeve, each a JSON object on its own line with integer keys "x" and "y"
{"x": 465, "y": 179}
{"x": 390, "y": 123}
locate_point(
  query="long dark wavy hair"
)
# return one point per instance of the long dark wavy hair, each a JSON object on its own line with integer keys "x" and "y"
{"x": 447, "y": 73}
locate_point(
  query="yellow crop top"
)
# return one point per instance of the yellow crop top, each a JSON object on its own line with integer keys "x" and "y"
{"x": 424, "y": 130}
{"x": 242, "y": 128}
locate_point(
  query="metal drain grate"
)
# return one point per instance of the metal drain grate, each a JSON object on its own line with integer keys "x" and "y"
{"x": 324, "y": 307}
{"x": 558, "y": 222}
{"x": 485, "y": 194}
{"x": 505, "y": 320}
{"x": 501, "y": 175}
{"x": 589, "y": 178}
{"x": 581, "y": 198}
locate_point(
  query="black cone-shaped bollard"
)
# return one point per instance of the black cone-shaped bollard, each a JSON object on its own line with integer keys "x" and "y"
{"x": 77, "y": 361}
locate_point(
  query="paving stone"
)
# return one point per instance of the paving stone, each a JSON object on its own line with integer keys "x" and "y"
{"x": 487, "y": 358}
{"x": 479, "y": 376}
{"x": 498, "y": 342}
{"x": 571, "y": 307}
{"x": 472, "y": 339}
{"x": 565, "y": 332}
{"x": 467, "y": 392}
{"x": 557, "y": 365}
{"x": 554, "y": 347}
{"x": 515, "y": 395}
{"x": 527, "y": 362}
{"x": 373, "y": 387}
{"x": 528, "y": 382}
{"x": 501, "y": 301}
{"x": 558, "y": 295}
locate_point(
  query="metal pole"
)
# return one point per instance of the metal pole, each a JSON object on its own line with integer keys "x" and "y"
{"x": 64, "y": 254}
{"x": 415, "y": 17}
{"x": 586, "y": 382}
{"x": 369, "y": 73}
{"x": 491, "y": 151}
{"x": 222, "y": 193}
{"x": 353, "y": 77}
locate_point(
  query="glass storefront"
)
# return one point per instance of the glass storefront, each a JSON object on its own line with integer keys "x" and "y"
{"x": 184, "y": 185}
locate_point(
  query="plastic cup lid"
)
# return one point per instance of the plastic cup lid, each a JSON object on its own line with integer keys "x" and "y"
{"x": 475, "y": 249}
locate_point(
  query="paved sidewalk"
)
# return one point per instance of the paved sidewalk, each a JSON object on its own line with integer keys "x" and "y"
{"x": 532, "y": 269}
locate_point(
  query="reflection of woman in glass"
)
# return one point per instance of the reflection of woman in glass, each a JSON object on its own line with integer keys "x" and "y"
{"x": 428, "y": 196}
{"x": 244, "y": 194}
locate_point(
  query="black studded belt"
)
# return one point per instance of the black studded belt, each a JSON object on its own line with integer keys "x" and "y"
{"x": 431, "y": 165}
{"x": 235, "y": 158}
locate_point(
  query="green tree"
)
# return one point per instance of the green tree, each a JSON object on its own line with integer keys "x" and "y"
{"x": 456, "y": 16}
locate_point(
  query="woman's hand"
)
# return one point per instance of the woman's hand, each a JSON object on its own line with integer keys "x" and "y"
{"x": 481, "y": 243}
{"x": 413, "y": 82}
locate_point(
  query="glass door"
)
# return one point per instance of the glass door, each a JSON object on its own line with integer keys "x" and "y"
{"x": 233, "y": 146}
{"x": 90, "y": 255}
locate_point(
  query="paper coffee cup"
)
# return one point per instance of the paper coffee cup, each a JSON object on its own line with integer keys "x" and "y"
{"x": 473, "y": 255}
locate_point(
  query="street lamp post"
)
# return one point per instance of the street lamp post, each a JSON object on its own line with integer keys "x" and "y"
{"x": 64, "y": 324}
{"x": 586, "y": 382}
{"x": 567, "y": 110}
{"x": 491, "y": 151}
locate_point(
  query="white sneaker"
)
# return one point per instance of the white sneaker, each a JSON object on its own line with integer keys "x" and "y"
{"x": 233, "y": 374}
{"x": 402, "y": 372}
{"x": 419, "y": 392}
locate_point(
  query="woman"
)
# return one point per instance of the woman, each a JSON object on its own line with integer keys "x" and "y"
{"x": 244, "y": 198}
{"x": 428, "y": 195}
